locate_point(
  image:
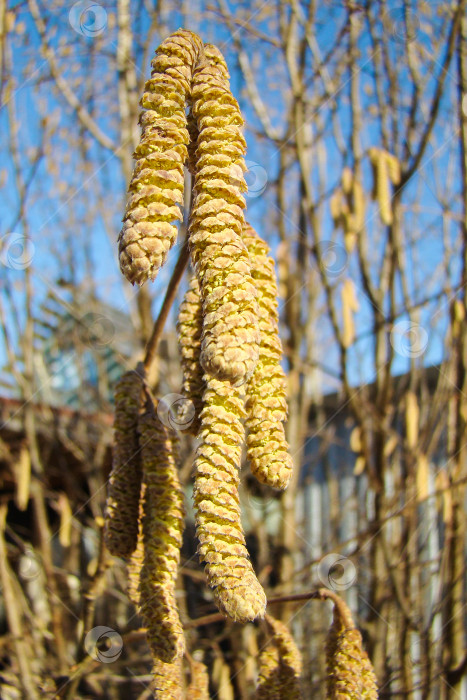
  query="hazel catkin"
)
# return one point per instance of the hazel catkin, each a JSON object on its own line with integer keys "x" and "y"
{"x": 266, "y": 405}
{"x": 156, "y": 187}
{"x": 163, "y": 515}
{"x": 349, "y": 670}
{"x": 230, "y": 336}
{"x": 237, "y": 591}
{"x": 121, "y": 521}
{"x": 189, "y": 327}
{"x": 280, "y": 665}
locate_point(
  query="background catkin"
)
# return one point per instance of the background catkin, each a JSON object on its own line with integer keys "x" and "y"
{"x": 381, "y": 188}
{"x": 230, "y": 335}
{"x": 189, "y": 327}
{"x": 266, "y": 405}
{"x": 156, "y": 187}
{"x": 163, "y": 515}
{"x": 237, "y": 591}
{"x": 349, "y": 670}
{"x": 123, "y": 495}
{"x": 280, "y": 665}
{"x": 167, "y": 680}
{"x": 199, "y": 684}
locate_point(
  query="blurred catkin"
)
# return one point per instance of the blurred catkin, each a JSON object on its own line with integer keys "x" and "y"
{"x": 266, "y": 405}
{"x": 163, "y": 516}
{"x": 199, "y": 684}
{"x": 190, "y": 327}
{"x": 167, "y": 682}
{"x": 230, "y": 335}
{"x": 121, "y": 523}
{"x": 280, "y": 665}
{"x": 156, "y": 187}
{"x": 386, "y": 168}
{"x": 237, "y": 591}
{"x": 349, "y": 670}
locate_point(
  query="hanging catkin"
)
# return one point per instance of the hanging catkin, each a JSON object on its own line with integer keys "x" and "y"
{"x": 136, "y": 560}
{"x": 121, "y": 522}
{"x": 230, "y": 336}
{"x": 237, "y": 591}
{"x": 156, "y": 187}
{"x": 381, "y": 188}
{"x": 266, "y": 405}
{"x": 199, "y": 684}
{"x": 189, "y": 327}
{"x": 349, "y": 670}
{"x": 280, "y": 665}
{"x": 167, "y": 680}
{"x": 162, "y": 538}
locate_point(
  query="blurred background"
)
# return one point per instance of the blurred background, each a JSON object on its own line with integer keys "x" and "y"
{"x": 356, "y": 125}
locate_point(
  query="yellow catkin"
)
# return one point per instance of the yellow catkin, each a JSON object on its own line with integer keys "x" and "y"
{"x": 280, "y": 665}
{"x": 162, "y": 538}
{"x": 358, "y": 205}
{"x": 136, "y": 560}
{"x": 199, "y": 684}
{"x": 167, "y": 681}
{"x": 412, "y": 417}
{"x": 230, "y": 334}
{"x": 121, "y": 522}
{"x": 349, "y": 670}
{"x": 268, "y": 674}
{"x": 266, "y": 405}
{"x": 229, "y": 571}
{"x": 394, "y": 168}
{"x": 156, "y": 188}
{"x": 350, "y": 306}
{"x": 189, "y": 327}
{"x": 381, "y": 189}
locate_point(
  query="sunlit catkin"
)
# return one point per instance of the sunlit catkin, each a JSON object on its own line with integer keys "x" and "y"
{"x": 230, "y": 335}
{"x": 156, "y": 187}
{"x": 189, "y": 327}
{"x": 280, "y": 665}
{"x": 266, "y": 405}
{"x": 162, "y": 538}
{"x": 167, "y": 680}
{"x": 121, "y": 524}
{"x": 136, "y": 560}
{"x": 381, "y": 188}
{"x": 237, "y": 591}
{"x": 349, "y": 670}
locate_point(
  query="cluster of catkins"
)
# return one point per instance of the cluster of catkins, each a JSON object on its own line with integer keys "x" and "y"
{"x": 230, "y": 349}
